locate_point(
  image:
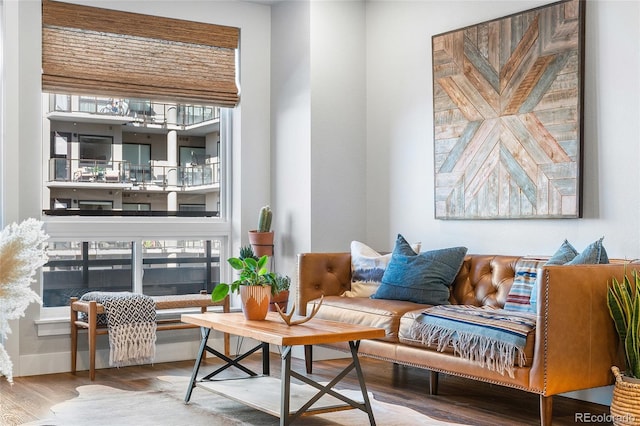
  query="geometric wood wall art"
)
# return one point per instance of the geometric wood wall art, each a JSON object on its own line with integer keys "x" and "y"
{"x": 508, "y": 116}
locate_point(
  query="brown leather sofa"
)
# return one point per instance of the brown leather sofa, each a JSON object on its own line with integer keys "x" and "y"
{"x": 573, "y": 346}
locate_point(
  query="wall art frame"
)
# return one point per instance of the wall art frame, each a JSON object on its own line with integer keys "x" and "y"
{"x": 508, "y": 116}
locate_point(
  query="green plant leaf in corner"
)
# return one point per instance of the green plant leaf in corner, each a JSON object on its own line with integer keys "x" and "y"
{"x": 236, "y": 263}
{"x": 632, "y": 342}
{"x": 220, "y": 292}
{"x": 623, "y": 300}
{"x": 616, "y": 305}
{"x": 262, "y": 261}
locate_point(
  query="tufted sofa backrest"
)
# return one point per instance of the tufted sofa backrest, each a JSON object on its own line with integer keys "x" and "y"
{"x": 484, "y": 280}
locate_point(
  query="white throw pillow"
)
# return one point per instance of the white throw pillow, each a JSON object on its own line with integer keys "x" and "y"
{"x": 367, "y": 269}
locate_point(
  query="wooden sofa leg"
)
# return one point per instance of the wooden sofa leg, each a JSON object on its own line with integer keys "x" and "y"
{"x": 546, "y": 410}
{"x": 308, "y": 358}
{"x": 433, "y": 382}
{"x": 74, "y": 336}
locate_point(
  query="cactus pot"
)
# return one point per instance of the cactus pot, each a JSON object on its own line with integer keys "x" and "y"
{"x": 261, "y": 243}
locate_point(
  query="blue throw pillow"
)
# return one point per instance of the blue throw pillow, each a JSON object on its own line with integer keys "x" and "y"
{"x": 594, "y": 253}
{"x": 566, "y": 253}
{"x": 421, "y": 278}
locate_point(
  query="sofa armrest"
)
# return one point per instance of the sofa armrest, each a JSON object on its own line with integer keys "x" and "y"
{"x": 320, "y": 274}
{"x": 576, "y": 340}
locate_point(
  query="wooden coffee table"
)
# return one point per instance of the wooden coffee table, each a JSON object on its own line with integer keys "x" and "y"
{"x": 310, "y": 397}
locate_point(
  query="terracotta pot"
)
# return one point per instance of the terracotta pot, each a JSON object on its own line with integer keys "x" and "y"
{"x": 261, "y": 243}
{"x": 282, "y": 299}
{"x": 255, "y": 301}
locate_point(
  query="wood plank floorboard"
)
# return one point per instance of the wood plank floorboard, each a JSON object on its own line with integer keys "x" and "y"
{"x": 459, "y": 400}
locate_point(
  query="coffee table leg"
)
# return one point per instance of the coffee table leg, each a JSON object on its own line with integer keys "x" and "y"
{"x": 287, "y": 418}
{"x": 265, "y": 359}
{"x": 204, "y": 331}
{"x": 363, "y": 387}
{"x": 285, "y": 386}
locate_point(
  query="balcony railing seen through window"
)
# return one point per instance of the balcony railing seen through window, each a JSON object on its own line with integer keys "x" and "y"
{"x": 139, "y": 110}
{"x": 124, "y": 172}
{"x": 168, "y": 267}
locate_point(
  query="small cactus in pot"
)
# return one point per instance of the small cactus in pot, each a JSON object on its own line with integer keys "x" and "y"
{"x": 264, "y": 219}
{"x": 261, "y": 239}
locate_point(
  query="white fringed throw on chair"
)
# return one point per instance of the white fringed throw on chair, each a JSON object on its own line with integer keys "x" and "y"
{"x": 131, "y": 320}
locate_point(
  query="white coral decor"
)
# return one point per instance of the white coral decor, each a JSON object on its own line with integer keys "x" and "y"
{"x": 22, "y": 252}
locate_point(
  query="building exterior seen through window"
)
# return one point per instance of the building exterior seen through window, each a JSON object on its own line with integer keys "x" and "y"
{"x": 131, "y": 157}
{"x": 166, "y": 266}
{"x": 124, "y": 158}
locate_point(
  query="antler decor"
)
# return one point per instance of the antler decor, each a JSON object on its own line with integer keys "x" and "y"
{"x": 287, "y": 317}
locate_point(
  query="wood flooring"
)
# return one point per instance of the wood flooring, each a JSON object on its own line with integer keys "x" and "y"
{"x": 460, "y": 400}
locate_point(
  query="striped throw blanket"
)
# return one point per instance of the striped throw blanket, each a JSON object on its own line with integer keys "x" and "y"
{"x": 131, "y": 320}
{"x": 492, "y": 338}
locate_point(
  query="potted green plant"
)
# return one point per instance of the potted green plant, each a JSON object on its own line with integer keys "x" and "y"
{"x": 255, "y": 285}
{"x": 623, "y": 299}
{"x": 261, "y": 239}
{"x": 280, "y": 287}
{"x": 280, "y": 295}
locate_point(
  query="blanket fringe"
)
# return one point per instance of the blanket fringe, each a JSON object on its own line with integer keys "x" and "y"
{"x": 491, "y": 354}
{"x": 132, "y": 344}
{"x": 131, "y": 320}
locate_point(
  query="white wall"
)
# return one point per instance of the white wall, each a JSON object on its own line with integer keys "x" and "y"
{"x": 338, "y": 129}
{"x": 318, "y": 127}
{"x": 400, "y": 171}
{"x": 291, "y": 132}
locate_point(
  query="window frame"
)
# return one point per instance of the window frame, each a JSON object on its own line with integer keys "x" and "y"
{"x": 138, "y": 228}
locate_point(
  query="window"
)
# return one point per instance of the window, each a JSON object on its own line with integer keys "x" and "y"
{"x": 60, "y": 203}
{"x": 140, "y": 207}
{"x": 100, "y": 167}
{"x": 192, "y": 207}
{"x": 180, "y": 266}
{"x": 137, "y": 212}
{"x": 59, "y": 166}
{"x": 62, "y": 102}
{"x": 126, "y": 172}
{"x": 136, "y": 153}
{"x": 92, "y": 104}
{"x": 103, "y": 162}
{"x": 192, "y": 156}
{"x": 95, "y": 149}
{"x": 137, "y": 158}
{"x": 75, "y": 268}
{"x": 165, "y": 267}
{"x": 105, "y": 127}
{"x": 95, "y": 205}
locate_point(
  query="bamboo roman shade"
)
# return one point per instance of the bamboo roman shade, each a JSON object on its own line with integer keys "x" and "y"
{"x": 89, "y": 50}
